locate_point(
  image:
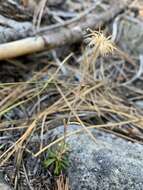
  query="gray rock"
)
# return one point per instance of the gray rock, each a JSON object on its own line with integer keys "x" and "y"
{"x": 130, "y": 36}
{"x": 110, "y": 164}
{"x": 3, "y": 185}
{"x": 139, "y": 103}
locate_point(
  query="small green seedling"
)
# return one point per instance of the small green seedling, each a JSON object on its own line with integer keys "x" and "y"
{"x": 58, "y": 158}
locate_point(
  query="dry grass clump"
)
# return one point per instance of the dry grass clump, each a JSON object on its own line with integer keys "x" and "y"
{"x": 29, "y": 109}
{"x": 62, "y": 184}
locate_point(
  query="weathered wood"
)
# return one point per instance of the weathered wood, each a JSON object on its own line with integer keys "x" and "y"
{"x": 62, "y": 35}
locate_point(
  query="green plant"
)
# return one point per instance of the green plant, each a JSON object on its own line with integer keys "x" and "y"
{"x": 57, "y": 157}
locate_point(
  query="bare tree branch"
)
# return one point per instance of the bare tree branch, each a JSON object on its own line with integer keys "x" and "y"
{"x": 62, "y": 35}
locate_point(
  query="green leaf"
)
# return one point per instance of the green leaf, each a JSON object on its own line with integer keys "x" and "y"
{"x": 51, "y": 154}
{"x": 64, "y": 165}
{"x": 57, "y": 168}
{"x": 1, "y": 146}
{"x": 48, "y": 162}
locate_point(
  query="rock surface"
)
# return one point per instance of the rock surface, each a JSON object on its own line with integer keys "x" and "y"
{"x": 110, "y": 164}
{"x": 3, "y": 185}
{"x": 131, "y": 35}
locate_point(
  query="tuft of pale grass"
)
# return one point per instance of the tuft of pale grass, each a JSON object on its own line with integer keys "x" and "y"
{"x": 62, "y": 183}
{"x": 101, "y": 46}
{"x": 99, "y": 42}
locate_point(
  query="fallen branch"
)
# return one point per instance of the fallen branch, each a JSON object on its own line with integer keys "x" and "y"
{"x": 62, "y": 35}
